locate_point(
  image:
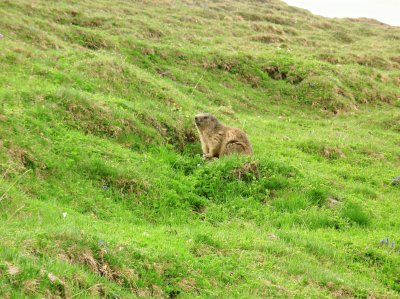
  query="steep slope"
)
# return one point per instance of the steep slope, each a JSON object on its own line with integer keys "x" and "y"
{"x": 103, "y": 192}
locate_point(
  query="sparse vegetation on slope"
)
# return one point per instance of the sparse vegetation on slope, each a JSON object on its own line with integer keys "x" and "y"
{"x": 103, "y": 192}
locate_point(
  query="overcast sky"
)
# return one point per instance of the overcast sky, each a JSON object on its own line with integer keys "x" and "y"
{"x": 386, "y": 11}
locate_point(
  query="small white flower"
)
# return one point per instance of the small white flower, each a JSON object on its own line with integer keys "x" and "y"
{"x": 64, "y": 214}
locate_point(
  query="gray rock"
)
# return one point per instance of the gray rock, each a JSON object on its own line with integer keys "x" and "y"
{"x": 396, "y": 180}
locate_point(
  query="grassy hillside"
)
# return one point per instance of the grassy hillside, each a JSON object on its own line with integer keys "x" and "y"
{"x": 103, "y": 192}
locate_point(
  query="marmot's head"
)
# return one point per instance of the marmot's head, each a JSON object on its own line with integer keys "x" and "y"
{"x": 205, "y": 121}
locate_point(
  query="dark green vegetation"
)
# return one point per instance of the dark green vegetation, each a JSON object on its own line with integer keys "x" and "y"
{"x": 103, "y": 192}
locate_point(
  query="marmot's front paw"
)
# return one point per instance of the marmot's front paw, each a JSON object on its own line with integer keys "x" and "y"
{"x": 207, "y": 157}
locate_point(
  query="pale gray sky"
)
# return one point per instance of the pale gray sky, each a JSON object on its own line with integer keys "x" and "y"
{"x": 386, "y": 11}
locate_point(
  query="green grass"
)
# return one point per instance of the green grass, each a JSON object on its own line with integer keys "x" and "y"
{"x": 103, "y": 192}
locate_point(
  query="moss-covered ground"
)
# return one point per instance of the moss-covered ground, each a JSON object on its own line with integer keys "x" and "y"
{"x": 103, "y": 192}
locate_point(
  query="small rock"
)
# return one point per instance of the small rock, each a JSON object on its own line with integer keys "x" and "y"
{"x": 12, "y": 270}
{"x": 332, "y": 202}
{"x": 273, "y": 237}
{"x": 54, "y": 279}
{"x": 396, "y": 180}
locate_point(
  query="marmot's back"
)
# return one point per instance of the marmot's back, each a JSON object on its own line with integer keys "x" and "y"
{"x": 236, "y": 142}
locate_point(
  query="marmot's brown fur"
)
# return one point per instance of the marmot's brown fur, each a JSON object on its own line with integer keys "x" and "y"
{"x": 218, "y": 140}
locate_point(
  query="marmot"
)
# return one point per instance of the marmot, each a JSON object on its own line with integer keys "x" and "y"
{"x": 218, "y": 140}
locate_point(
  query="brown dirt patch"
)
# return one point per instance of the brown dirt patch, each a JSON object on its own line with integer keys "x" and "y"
{"x": 247, "y": 171}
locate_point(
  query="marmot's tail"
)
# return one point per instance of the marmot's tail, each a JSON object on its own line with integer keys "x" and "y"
{"x": 236, "y": 147}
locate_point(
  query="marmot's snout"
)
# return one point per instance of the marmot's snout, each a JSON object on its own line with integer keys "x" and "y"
{"x": 202, "y": 119}
{"x": 197, "y": 120}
